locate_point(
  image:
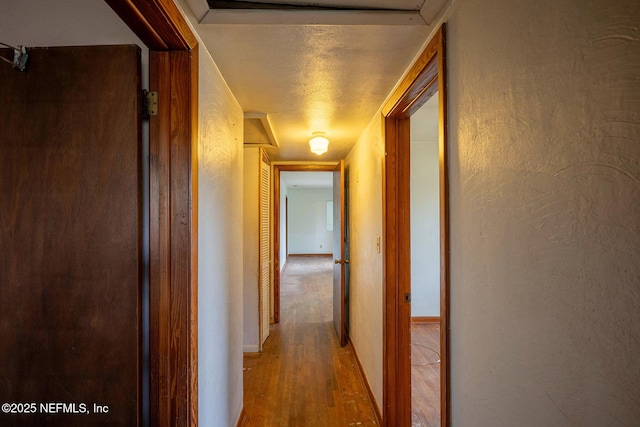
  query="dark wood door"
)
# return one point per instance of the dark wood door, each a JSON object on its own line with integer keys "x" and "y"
{"x": 340, "y": 261}
{"x": 70, "y": 238}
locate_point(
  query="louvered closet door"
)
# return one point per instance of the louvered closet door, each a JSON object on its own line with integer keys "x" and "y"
{"x": 264, "y": 250}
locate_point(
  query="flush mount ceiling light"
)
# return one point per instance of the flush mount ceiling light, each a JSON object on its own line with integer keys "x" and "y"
{"x": 318, "y": 143}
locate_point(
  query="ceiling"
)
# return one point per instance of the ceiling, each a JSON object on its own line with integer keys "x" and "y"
{"x": 306, "y": 70}
{"x": 424, "y": 130}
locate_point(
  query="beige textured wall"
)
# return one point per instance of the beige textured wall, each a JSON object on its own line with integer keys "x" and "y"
{"x": 544, "y": 126}
{"x": 365, "y": 211}
{"x": 220, "y": 245}
{"x": 544, "y": 121}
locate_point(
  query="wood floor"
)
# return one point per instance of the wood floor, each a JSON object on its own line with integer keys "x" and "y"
{"x": 425, "y": 374}
{"x": 303, "y": 377}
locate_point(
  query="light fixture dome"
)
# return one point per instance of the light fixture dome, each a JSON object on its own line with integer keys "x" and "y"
{"x": 318, "y": 143}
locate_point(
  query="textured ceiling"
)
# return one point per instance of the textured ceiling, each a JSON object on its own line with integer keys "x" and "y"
{"x": 308, "y": 78}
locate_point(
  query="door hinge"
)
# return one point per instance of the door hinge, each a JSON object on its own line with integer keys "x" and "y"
{"x": 407, "y": 297}
{"x": 149, "y": 104}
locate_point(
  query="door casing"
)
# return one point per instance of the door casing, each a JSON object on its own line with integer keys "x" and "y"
{"x": 426, "y": 77}
{"x": 173, "y": 207}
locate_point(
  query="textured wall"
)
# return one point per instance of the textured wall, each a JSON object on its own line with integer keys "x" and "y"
{"x": 544, "y": 120}
{"x": 308, "y": 221}
{"x": 220, "y": 244}
{"x": 365, "y": 222}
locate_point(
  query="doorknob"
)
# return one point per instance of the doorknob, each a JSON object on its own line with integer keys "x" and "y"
{"x": 337, "y": 261}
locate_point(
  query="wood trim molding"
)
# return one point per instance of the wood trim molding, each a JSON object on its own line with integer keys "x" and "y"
{"x": 158, "y": 23}
{"x": 159, "y": 245}
{"x": 277, "y": 239}
{"x": 426, "y": 76}
{"x": 421, "y": 75}
{"x": 251, "y": 354}
{"x": 396, "y": 367}
{"x": 276, "y": 245}
{"x": 372, "y": 397}
{"x": 173, "y": 239}
{"x": 173, "y": 200}
{"x": 445, "y": 260}
{"x": 311, "y": 167}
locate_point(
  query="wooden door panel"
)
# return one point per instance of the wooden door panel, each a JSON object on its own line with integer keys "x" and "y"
{"x": 70, "y": 233}
{"x": 339, "y": 254}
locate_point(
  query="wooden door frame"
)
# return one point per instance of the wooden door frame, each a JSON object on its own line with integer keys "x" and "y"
{"x": 426, "y": 76}
{"x": 277, "y": 168}
{"x": 173, "y": 207}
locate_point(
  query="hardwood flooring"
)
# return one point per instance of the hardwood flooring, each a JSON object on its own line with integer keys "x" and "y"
{"x": 303, "y": 377}
{"x": 425, "y": 374}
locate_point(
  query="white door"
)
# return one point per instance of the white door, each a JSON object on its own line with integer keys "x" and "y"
{"x": 265, "y": 306}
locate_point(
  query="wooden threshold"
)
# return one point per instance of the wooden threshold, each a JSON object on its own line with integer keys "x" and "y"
{"x": 251, "y": 354}
{"x": 312, "y": 255}
{"x": 425, "y": 319}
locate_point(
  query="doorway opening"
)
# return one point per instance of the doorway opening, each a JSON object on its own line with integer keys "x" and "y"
{"x": 282, "y": 234}
{"x": 334, "y": 218}
{"x": 425, "y": 266}
{"x": 425, "y": 80}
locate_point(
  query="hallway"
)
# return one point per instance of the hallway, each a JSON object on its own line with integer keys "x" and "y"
{"x": 303, "y": 377}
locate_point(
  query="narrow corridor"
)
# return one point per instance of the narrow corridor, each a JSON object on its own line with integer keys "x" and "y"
{"x": 303, "y": 377}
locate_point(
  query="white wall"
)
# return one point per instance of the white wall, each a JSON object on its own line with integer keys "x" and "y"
{"x": 41, "y": 23}
{"x": 220, "y": 245}
{"x": 308, "y": 221}
{"x": 544, "y": 121}
{"x": 425, "y": 223}
{"x": 251, "y": 251}
{"x": 365, "y": 222}
{"x": 220, "y": 249}
{"x": 284, "y": 192}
